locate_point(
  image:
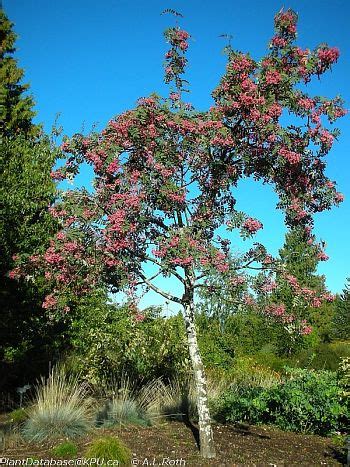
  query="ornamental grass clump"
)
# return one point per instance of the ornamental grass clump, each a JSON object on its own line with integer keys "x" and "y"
{"x": 126, "y": 404}
{"x": 107, "y": 449}
{"x": 62, "y": 408}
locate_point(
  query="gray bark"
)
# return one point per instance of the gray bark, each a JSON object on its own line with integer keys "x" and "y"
{"x": 206, "y": 439}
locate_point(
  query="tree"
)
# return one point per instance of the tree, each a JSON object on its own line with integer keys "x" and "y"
{"x": 341, "y": 322}
{"x": 26, "y": 191}
{"x": 300, "y": 255}
{"x": 165, "y": 179}
{"x": 16, "y": 108}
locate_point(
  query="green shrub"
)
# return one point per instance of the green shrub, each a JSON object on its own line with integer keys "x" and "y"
{"x": 109, "y": 448}
{"x": 62, "y": 408}
{"x": 309, "y": 401}
{"x": 66, "y": 449}
{"x": 243, "y": 403}
{"x": 344, "y": 377}
{"x": 18, "y": 416}
{"x": 305, "y": 401}
{"x": 149, "y": 349}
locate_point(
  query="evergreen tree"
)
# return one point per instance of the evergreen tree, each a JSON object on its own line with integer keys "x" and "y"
{"x": 301, "y": 257}
{"x": 341, "y": 321}
{"x": 26, "y": 191}
{"x": 16, "y": 107}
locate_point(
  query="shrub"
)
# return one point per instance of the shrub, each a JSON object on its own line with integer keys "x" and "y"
{"x": 61, "y": 408}
{"x": 309, "y": 401}
{"x": 243, "y": 403}
{"x": 66, "y": 449}
{"x": 109, "y": 448}
{"x": 148, "y": 349}
{"x": 344, "y": 376}
{"x": 305, "y": 401}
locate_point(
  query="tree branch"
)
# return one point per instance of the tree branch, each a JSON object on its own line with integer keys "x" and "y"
{"x": 154, "y": 261}
{"x": 160, "y": 291}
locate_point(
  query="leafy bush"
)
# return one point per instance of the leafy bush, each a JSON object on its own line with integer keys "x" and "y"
{"x": 344, "y": 377}
{"x": 243, "y": 404}
{"x": 107, "y": 339}
{"x": 309, "y": 401}
{"x": 66, "y": 449}
{"x": 305, "y": 401}
{"x": 109, "y": 448}
{"x": 325, "y": 356}
{"x": 61, "y": 408}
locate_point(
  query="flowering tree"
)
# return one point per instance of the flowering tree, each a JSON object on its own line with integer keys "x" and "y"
{"x": 165, "y": 179}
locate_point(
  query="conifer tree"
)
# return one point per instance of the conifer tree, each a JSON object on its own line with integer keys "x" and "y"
{"x": 341, "y": 320}
{"x": 26, "y": 191}
{"x": 16, "y": 107}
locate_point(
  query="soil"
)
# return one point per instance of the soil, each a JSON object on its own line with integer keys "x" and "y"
{"x": 174, "y": 443}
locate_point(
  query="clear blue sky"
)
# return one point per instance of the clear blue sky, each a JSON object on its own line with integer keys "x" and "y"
{"x": 90, "y": 60}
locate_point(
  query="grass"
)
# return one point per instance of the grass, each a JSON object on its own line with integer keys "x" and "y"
{"x": 62, "y": 408}
{"x": 18, "y": 416}
{"x": 66, "y": 449}
{"x": 125, "y": 404}
{"x": 109, "y": 448}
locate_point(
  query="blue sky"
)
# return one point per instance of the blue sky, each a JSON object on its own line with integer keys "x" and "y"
{"x": 90, "y": 60}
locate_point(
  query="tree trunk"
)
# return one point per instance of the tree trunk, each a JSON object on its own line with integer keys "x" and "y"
{"x": 206, "y": 439}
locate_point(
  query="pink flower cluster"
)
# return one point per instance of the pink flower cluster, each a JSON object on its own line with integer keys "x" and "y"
{"x": 306, "y": 103}
{"x": 286, "y": 22}
{"x": 291, "y": 156}
{"x": 272, "y": 77}
{"x": 326, "y": 138}
{"x": 252, "y": 225}
{"x": 237, "y": 281}
{"x": 241, "y": 64}
{"x": 268, "y": 286}
{"x": 321, "y": 255}
{"x": 57, "y": 175}
{"x": 49, "y": 302}
{"x": 279, "y": 42}
{"x": 328, "y": 55}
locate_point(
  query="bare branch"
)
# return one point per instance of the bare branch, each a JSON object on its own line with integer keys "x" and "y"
{"x": 160, "y": 291}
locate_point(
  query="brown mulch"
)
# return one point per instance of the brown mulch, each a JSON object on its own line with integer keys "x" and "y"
{"x": 174, "y": 443}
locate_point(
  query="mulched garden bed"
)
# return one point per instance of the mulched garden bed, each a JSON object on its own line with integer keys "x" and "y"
{"x": 174, "y": 443}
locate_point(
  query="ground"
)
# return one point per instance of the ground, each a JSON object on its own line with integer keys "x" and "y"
{"x": 174, "y": 443}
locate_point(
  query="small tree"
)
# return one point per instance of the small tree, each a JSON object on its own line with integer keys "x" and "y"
{"x": 165, "y": 183}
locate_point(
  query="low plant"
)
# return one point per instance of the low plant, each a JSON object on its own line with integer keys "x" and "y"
{"x": 124, "y": 404}
{"x": 62, "y": 408}
{"x": 18, "y": 416}
{"x": 66, "y": 449}
{"x": 109, "y": 448}
{"x": 178, "y": 397}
